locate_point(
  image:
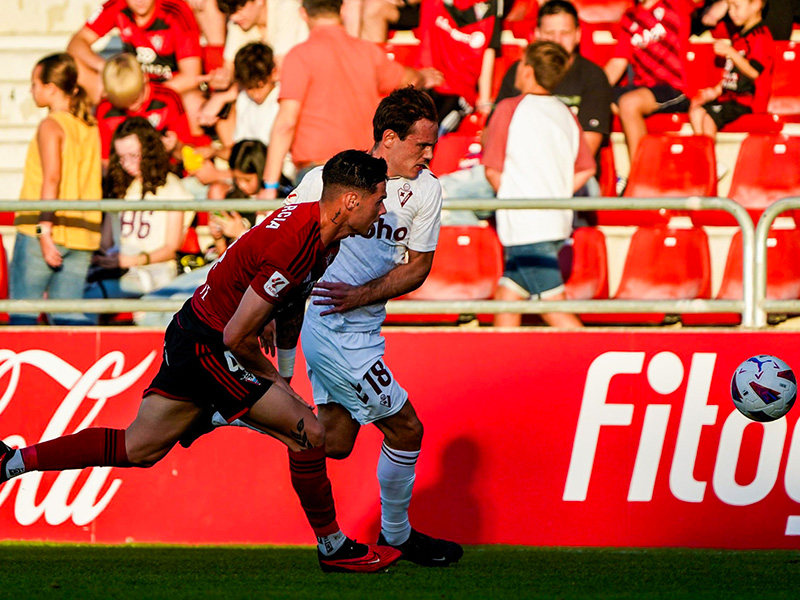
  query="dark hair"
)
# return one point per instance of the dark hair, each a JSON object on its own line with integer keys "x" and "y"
{"x": 61, "y": 70}
{"x": 352, "y": 169}
{"x": 154, "y": 164}
{"x": 228, "y": 7}
{"x": 253, "y": 65}
{"x": 400, "y": 110}
{"x": 550, "y": 63}
{"x": 557, "y": 7}
{"x": 320, "y": 8}
{"x": 248, "y": 156}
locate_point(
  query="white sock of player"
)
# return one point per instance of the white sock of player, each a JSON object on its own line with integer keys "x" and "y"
{"x": 14, "y": 466}
{"x": 396, "y": 477}
{"x": 331, "y": 543}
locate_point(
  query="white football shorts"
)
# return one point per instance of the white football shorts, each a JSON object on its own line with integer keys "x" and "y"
{"x": 348, "y": 368}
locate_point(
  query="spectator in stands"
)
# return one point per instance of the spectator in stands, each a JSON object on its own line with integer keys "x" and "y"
{"x": 585, "y": 88}
{"x": 162, "y": 34}
{"x": 213, "y": 27}
{"x": 143, "y": 256}
{"x": 778, "y": 16}
{"x": 652, "y": 46}
{"x": 52, "y": 250}
{"x": 534, "y": 148}
{"x": 330, "y": 87}
{"x": 461, "y": 39}
{"x": 371, "y": 20}
{"x": 747, "y": 77}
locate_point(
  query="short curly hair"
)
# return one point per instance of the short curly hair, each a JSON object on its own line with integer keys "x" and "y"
{"x": 253, "y": 65}
{"x": 154, "y": 164}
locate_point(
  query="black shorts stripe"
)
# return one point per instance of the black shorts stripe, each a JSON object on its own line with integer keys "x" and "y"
{"x": 213, "y": 369}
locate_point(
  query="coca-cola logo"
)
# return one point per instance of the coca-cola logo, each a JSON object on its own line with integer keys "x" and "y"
{"x": 102, "y": 381}
{"x": 665, "y": 374}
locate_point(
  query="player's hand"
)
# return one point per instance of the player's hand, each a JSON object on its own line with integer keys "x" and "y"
{"x": 268, "y": 339}
{"x": 284, "y": 385}
{"x": 340, "y": 297}
{"x": 50, "y": 253}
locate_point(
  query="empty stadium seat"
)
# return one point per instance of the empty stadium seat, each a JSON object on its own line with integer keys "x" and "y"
{"x": 783, "y": 275}
{"x": 766, "y": 170}
{"x": 405, "y": 54}
{"x": 785, "y": 97}
{"x": 452, "y": 151}
{"x": 584, "y": 264}
{"x": 466, "y": 266}
{"x": 703, "y": 67}
{"x": 521, "y": 18}
{"x": 662, "y": 264}
{"x": 666, "y": 165}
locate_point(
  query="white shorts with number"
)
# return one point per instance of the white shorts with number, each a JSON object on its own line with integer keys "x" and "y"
{"x": 347, "y": 368}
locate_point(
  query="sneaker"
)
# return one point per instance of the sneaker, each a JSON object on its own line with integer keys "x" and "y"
{"x": 5, "y": 454}
{"x": 426, "y": 550}
{"x": 353, "y": 557}
{"x": 197, "y": 429}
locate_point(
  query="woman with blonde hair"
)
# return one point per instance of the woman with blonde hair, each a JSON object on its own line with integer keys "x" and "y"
{"x": 52, "y": 250}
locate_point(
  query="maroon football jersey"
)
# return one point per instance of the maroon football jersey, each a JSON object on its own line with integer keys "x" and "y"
{"x": 162, "y": 107}
{"x": 170, "y": 35}
{"x": 280, "y": 259}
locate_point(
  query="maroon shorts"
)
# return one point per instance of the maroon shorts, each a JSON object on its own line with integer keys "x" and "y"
{"x": 204, "y": 372}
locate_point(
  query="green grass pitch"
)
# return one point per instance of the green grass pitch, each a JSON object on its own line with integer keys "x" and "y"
{"x": 32, "y": 570}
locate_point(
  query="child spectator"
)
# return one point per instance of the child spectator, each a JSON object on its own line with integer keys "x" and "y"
{"x": 52, "y": 250}
{"x": 460, "y": 39}
{"x": 652, "y": 42}
{"x": 162, "y": 34}
{"x": 534, "y": 148}
{"x": 144, "y": 254}
{"x": 747, "y": 77}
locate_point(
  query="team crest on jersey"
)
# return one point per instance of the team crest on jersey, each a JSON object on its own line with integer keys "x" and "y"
{"x": 404, "y": 194}
{"x": 275, "y": 284}
{"x": 158, "y": 42}
{"x": 386, "y": 400}
{"x": 249, "y": 377}
{"x": 155, "y": 120}
{"x": 658, "y": 13}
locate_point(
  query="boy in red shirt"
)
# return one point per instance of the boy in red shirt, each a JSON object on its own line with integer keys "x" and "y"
{"x": 747, "y": 77}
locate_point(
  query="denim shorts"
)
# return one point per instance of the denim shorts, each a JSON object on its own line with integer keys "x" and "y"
{"x": 532, "y": 269}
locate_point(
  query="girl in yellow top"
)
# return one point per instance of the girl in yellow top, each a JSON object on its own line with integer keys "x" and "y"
{"x": 52, "y": 250}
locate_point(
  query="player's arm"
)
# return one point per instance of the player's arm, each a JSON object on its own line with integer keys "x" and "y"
{"x": 80, "y": 46}
{"x": 404, "y": 278}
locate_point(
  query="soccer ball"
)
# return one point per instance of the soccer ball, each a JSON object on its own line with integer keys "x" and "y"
{"x": 763, "y": 388}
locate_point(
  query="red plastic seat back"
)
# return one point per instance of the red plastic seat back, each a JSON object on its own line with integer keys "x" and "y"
{"x": 664, "y": 263}
{"x": 785, "y": 96}
{"x": 783, "y": 268}
{"x": 671, "y": 165}
{"x": 585, "y": 265}
{"x": 452, "y": 151}
{"x": 466, "y": 266}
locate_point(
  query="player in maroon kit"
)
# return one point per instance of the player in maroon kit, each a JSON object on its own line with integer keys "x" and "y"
{"x": 212, "y": 358}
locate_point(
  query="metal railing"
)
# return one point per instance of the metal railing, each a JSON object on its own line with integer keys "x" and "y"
{"x": 752, "y": 311}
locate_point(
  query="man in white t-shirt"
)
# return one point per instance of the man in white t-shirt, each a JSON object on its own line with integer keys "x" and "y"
{"x": 534, "y": 148}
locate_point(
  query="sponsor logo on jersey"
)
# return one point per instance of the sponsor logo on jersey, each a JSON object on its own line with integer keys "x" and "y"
{"x": 383, "y": 230}
{"x": 475, "y": 40}
{"x": 404, "y": 194}
{"x": 275, "y": 284}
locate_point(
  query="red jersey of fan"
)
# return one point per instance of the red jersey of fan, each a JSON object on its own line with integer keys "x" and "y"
{"x": 162, "y": 107}
{"x": 757, "y": 46}
{"x": 280, "y": 259}
{"x": 170, "y": 35}
{"x": 454, "y": 38}
{"x": 653, "y": 40}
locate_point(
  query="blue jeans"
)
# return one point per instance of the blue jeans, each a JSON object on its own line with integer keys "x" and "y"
{"x": 30, "y": 277}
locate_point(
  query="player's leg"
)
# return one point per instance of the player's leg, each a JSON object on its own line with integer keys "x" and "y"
{"x": 283, "y": 415}
{"x": 634, "y": 106}
{"x": 341, "y": 430}
{"x": 152, "y": 434}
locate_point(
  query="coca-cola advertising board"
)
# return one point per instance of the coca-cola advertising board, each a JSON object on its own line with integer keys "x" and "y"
{"x": 604, "y": 437}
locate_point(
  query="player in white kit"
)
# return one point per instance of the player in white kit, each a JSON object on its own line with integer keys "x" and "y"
{"x": 341, "y": 336}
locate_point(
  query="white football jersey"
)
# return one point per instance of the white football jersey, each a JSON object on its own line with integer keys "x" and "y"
{"x": 412, "y": 220}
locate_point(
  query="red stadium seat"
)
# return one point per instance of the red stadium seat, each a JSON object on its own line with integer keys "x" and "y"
{"x": 608, "y": 172}
{"x": 472, "y": 125}
{"x": 766, "y": 170}
{"x": 658, "y": 123}
{"x": 467, "y": 265}
{"x": 666, "y": 165}
{"x": 405, "y": 54}
{"x": 785, "y": 97}
{"x": 783, "y": 275}
{"x": 755, "y": 123}
{"x": 453, "y": 152}
{"x": 521, "y": 19}
{"x": 6, "y": 218}
{"x": 599, "y": 41}
{"x": 703, "y": 67}
{"x": 585, "y": 265}
{"x": 662, "y": 264}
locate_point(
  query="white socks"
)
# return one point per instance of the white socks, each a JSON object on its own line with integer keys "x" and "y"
{"x": 14, "y": 466}
{"x": 217, "y": 420}
{"x": 331, "y": 543}
{"x": 396, "y": 477}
